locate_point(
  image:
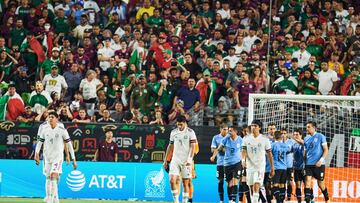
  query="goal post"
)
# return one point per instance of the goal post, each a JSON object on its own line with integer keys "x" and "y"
{"x": 337, "y": 117}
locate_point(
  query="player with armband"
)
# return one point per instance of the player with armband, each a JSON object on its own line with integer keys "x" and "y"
{"x": 53, "y": 136}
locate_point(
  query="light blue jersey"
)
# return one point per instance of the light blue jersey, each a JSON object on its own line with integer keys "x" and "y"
{"x": 215, "y": 143}
{"x": 232, "y": 150}
{"x": 313, "y": 146}
{"x": 298, "y": 151}
{"x": 268, "y": 166}
{"x": 279, "y": 150}
{"x": 289, "y": 156}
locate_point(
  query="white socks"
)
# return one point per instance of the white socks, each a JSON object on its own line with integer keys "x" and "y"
{"x": 175, "y": 195}
{"x": 53, "y": 189}
{"x": 185, "y": 197}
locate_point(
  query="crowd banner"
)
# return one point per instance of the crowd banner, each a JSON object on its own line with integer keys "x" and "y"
{"x": 137, "y": 143}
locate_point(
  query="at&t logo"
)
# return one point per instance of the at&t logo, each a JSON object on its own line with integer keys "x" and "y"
{"x": 76, "y": 180}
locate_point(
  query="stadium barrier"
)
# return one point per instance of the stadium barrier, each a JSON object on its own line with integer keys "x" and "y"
{"x": 141, "y": 181}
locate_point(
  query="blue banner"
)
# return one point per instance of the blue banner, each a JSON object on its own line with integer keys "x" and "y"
{"x": 100, "y": 180}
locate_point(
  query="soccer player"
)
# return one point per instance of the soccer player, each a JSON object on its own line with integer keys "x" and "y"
{"x": 289, "y": 162}
{"x": 316, "y": 150}
{"x": 53, "y": 137}
{"x": 298, "y": 151}
{"x": 254, "y": 148}
{"x": 243, "y": 187}
{"x": 267, "y": 181}
{"x": 279, "y": 151}
{"x": 232, "y": 161}
{"x": 220, "y": 171}
{"x": 182, "y": 142}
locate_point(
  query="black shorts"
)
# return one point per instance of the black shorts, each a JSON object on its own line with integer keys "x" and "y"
{"x": 243, "y": 172}
{"x": 289, "y": 175}
{"x": 317, "y": 172}
{"x": 267, "y": 179}
{"x": 299, "y": 175}
{"x": 220, "y": 172}
{"x": 279, "y": 177}
{"x": 233, "y": 171}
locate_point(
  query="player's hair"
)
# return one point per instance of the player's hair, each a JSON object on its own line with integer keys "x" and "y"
{"x": 53, "y": 113}
{"x": 271, "y": 124}
{"x": 283, "y": 129}
{"x": 298, "y": 130}
{"x": 180, "y": 118}
{"x": 313, "y": 123}
{"x": 277, "y": 134}
{"x": 257, "y": 122}
{"x": 223, "y": 125}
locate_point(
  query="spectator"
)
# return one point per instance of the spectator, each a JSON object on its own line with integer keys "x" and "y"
{"x": 88, "y": 87}
{"x": 105, "y": 54}
{"x": 11, "y": 104}
{"x": 27, "y": 116}
{"x": 54, "y": 82}
{"x": 286, "y": 84}
{"x": 82, "y": 117}
{"x": 18, "y": 34}
{"x": 118, "y": 114}
{"x": 65, "y": 114}
{"x": 39, "y": 98}
{"x": 244, "y": 88}
{"x": 328, "y": 80}
{"x": 260, "y": 79}
{"x": 146, "y": 8}
{"x": 302, "y": 55}
{"x": 106, "y": 117}
{"x": 46, "y": 67}
{"x": 73, "y": 78}
{"x": 308, "y": 85}
{"x": 142, "y": 95}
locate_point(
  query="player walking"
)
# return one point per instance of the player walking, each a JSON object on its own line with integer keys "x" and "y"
{"x": 255, "y": 146}
{"x": 289, "y": 162}
{"x": 232, "y": 161}
{"x": 316, "y": 150}
{"x": 220, "y": 170}
{"x": 53, "y": 137}
{"x": 182, "y": 143}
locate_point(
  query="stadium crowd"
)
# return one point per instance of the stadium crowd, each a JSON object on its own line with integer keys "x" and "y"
{"x": 148, "y": 61}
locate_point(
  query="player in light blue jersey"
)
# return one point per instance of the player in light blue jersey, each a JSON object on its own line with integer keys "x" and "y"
{"x": 220, "y": 171}
{"x": 243, "y": 187}
{"x": 298, "y": 151}
{"x": 289, "y": 163}
{"x": 232, "y": 161}
{"x": 316, "y": 150}
{"x": 279, "y": 151}
{"x": 267, "y": 180}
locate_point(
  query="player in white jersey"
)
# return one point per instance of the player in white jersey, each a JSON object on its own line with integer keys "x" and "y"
{"x": 47, "y": 182}
{"x": 255, "y": 146}
{"x": 53, "y": 136}
{"x": 182, "y": 143}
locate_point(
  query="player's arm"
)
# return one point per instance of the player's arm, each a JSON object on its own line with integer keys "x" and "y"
{"x": 216, "y": 151}
{"x": 169, "y": 149}
{"x": 96, "y": 155}
{"x": 40, "y": 141}
{"x": 70, "y": 147}
{"x": 243, "y": 155}
{"x": 325, "y": 152}
{"x": 67, "y": 156}
{"x": 271, "y": 160}
{"x": 298, "y": 140}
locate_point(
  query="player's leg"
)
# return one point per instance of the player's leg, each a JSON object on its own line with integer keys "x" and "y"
{"x": 319, "y": 174}
{"x": 220, "y": 173}
{"x": 275, "y": 185}
{"x": 299, "y": 178}
{"x": 308, "y": 179}
{"x": 56, "y": 170}
{"x": 193, "y": 176}
{"x": 46, "y": 172}
{"x": 282, "y": 183}
{"x": 258, "y": 180}
{"x": 186, "y": 174}
{"x": 289, "y": 181}
{"x": 174, "y": 173}
{"x": 267, "y": 184}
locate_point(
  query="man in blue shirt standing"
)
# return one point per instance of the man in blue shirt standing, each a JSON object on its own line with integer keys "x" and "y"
{"x": 316, "y": 150}
{"x": 289, "y": 162}
{"x": 279, "y": 151}
{"x": 298, "y": 151}
{"x": 220, "y": 171}
{"x": 232, "y": 161}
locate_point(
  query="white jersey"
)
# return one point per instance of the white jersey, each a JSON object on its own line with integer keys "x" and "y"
{"x": 54, "y": 83}
{"x": 53, "y": 139}
{"x": 181, "y": 141}
{"x": 256, "y": 149}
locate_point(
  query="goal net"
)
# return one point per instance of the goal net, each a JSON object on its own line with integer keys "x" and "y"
{"x": 337, "y": 117}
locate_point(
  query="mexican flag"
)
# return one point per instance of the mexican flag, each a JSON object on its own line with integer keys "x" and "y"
{"x": 135, "y": 59}
{"x": 39, "y": 101}
{"x": 11, "y": 107}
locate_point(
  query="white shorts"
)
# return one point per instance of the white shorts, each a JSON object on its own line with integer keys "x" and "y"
{"x": 52, "y": 167}
{"x": 253, "y": 177}
{"x": 180, "y": 170}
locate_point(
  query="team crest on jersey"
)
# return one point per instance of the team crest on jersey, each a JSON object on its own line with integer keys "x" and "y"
{"x": 56, "y": 135}
{"x": 185, "y": 137}
{"x": 315, "y": 139}
{"x": 259, "y": 145}
{"x": 238, "y": 145}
